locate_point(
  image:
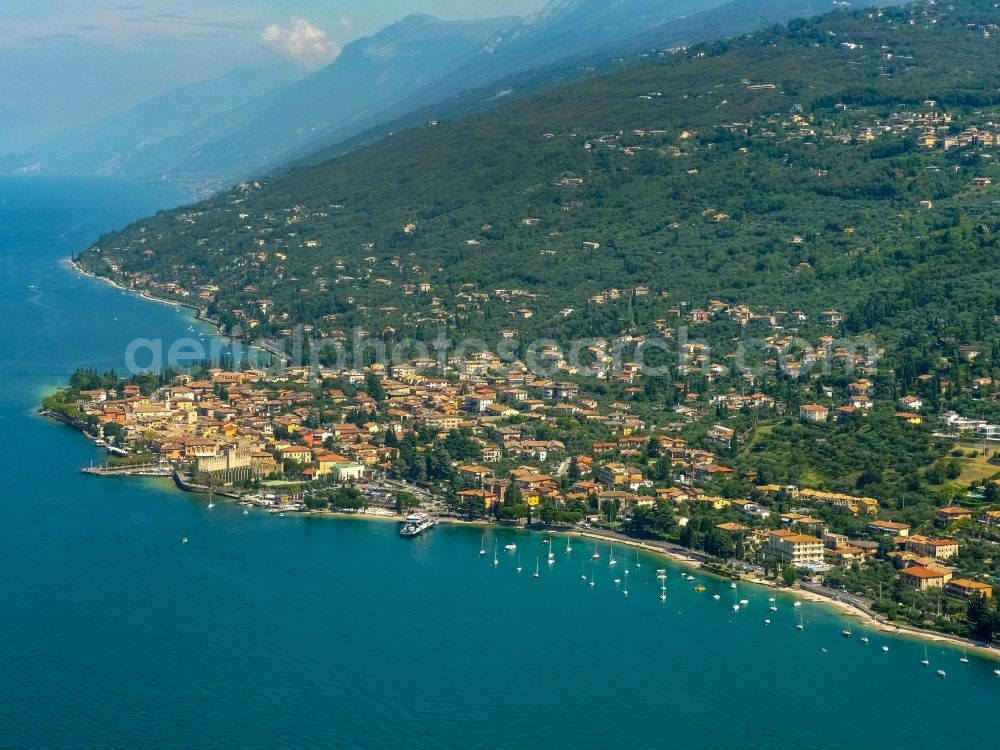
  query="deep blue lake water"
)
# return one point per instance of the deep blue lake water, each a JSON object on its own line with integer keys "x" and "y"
{"x": 267, "y": 632}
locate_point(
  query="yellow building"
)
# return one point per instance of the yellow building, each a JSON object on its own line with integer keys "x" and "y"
{"x": 967, "y": 589}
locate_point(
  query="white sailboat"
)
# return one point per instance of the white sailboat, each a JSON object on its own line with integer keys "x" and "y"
{"x": 482, "y": 545}
{"x": 568, "y": 547}
{"x": 965, "y": 655}
{"x": 663, "y": 590}
{"x": 510, "y": 547}
{"x": 864, "y": 637}
{"x": 925, "y": 661}
{"x": 625, "y": 587}
{"x": 519, "y": 568}
{"x": 846, "y": 632}
{"x": 496, "y": 560}
{"x": 736, "y": 602}
{"x": 591, "y": 578}
{"x": 536, "y": 574}
{"x": 583, "y": 573}
{"x": 638, "y": 564}
{"x": 801, "y": 625}
{"x": 552, "y": 556}
{"x": 596, "y": 555}
{"x": 611, "y": 558}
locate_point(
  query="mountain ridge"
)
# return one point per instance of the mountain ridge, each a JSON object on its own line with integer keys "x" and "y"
{"x": 347, "y": 99}
{"x": 782, "y": 171}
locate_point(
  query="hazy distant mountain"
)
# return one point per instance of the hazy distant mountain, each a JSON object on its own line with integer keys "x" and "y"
{"x": 566, "y": 27}
{"x": 152, "y": 137}
{"x": 370, "y": 74}
{"x": 224, "y": 128}
{"x": 421, "y": 60}
{"x": 562, "y": 25}
{"x": 257, "y": 120}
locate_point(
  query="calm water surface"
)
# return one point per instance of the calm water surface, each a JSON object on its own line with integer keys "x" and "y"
{"x": 267, "y": 632}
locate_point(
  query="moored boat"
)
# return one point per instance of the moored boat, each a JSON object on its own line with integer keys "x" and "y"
{"x": 417, "y": 523}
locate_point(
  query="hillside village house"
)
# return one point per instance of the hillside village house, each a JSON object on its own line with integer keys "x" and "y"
{"x": 938, "y": 549}
{"x": 922, "y": 578}
{"x": 955, "y": 513}
{"x": 813, "y": 413}
{"x": 892, "y": 528}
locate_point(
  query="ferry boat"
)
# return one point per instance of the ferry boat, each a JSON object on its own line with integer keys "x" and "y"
{"x": 417, "y": 523}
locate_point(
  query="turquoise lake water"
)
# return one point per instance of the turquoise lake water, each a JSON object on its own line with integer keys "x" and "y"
{"x": 268, "y": 632}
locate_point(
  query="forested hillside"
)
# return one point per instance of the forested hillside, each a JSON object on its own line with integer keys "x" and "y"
{"x": 843, "y": 164}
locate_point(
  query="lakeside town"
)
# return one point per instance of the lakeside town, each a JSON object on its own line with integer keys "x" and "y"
{"x": 490, "y": 442}
{"x": 588, "y": 357}
{"x": 777, "y": 353}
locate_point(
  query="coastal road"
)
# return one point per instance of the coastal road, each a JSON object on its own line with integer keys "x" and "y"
{"x": 864, "y": 605}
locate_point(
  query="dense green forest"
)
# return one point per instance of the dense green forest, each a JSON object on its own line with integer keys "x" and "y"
{"x": 785, "y": 170}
